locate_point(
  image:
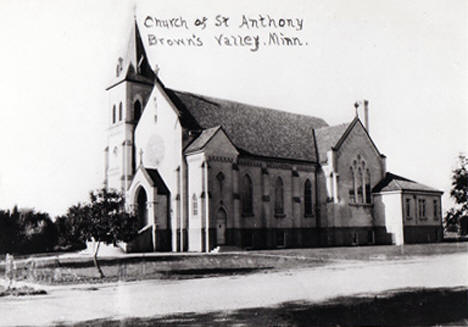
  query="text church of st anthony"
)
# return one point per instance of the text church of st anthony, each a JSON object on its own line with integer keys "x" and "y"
{"x": 202, "y": 173}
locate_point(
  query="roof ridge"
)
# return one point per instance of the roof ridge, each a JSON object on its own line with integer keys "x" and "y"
{"x": 402, "y": 178}
{"x": 346, "y": 132}
{"x": 247, "y": 106}
{"x": 331, "y": 126}
{"x": 198, "y": 96}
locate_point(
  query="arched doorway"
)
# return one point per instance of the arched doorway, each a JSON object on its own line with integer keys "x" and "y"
{"x": 142, "y": 210}
{"x": 221, "y": 227}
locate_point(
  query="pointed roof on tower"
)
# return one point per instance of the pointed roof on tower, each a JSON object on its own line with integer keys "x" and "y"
{"x": 133, "y": 64}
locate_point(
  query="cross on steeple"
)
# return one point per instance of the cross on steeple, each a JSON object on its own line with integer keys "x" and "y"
{"x": 134, "y": 11}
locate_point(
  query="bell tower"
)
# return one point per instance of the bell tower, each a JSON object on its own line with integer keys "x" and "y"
{"x": 128, "y": 94}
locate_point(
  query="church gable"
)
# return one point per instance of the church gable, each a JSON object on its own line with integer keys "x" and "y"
{"x": 213, "y": 141}
{"x": 356, "y": 141}
{"x": 158, "y": 133}
{"x": 358, "y": 163}
{"x": 356, "y": 130}
{"x": 141, "y": 179}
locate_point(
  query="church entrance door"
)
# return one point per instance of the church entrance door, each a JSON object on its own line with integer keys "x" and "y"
{"x": 142, "y": 210}
{"x": 221, "y": 227}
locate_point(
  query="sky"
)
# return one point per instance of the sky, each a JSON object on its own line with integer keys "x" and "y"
{"x": 409, "y": 59}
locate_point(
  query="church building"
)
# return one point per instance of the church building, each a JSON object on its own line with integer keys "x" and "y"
{"x": 202, "y": 173}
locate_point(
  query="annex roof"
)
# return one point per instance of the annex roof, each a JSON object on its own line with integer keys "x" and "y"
{"x": 392, "y": 182}
{"x": 253, "y": 130}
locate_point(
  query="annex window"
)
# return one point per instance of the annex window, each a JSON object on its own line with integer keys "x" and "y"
{"x": 114, "y": 113}
{"x": 247, "y": 196}
{"x": 422, "y": 208}
{"x": 279, "y": 197}
{"x": 120, "y": 111}
{"x": 194, "y": 205}
{"x": 308, "y": 208}
{"x": 436, "y": 209}
{"x": 220, "y": 180}
{"x": 408, "y": 208}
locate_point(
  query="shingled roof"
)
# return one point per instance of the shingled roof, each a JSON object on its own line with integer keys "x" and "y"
{"x": 202, "y": 139}
{"x": 328, "y": 137}
{"x": 253, "y": 130}
{"x": 392, "y": 182}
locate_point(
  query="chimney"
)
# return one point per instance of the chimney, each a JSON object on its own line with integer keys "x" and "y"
{"x": 366, "y": 115}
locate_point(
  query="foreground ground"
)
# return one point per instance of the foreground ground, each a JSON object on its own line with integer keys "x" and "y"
{"x": 402, "y": 307}
{"x": 289, "y": 296}
{"x": 79, "y": 269}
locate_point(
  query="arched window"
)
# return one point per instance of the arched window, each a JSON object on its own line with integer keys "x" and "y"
{"x": 194, "y": 204}
{"x": 359, "y": 186}
{"x": 368, "y": 187}
{"x": 360, "y": 192}
{"x": 247, "y": 196}
{"x": 308, "y": 210}
{"x": 113, "y": 114}
{"x": 120, "y": 111}
{"x": 220, "y": 179}
{"x": 136, "y": 110}
{"x": 352, "y": 190}
{"x": 279, "y": 197}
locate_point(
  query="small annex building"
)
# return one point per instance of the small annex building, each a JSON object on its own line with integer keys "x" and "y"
{"x": 410, "y": 211}
{"x": 202, "y": 172}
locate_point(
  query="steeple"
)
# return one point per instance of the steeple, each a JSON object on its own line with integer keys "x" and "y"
{"x": 134, "y": 63}
{"x": 132, "y": 82}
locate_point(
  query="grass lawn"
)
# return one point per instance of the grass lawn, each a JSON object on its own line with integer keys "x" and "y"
{"x": 403, "y": 307}
{"x": 81, "y": 269}
{"x": 375, "y": 253}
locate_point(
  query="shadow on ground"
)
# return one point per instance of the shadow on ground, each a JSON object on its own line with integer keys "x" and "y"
{"x": 407, "y": 307}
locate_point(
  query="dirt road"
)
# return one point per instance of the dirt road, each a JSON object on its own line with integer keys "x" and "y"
{"x": 152, "y": 298}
